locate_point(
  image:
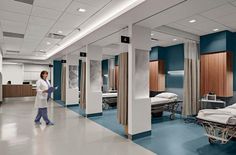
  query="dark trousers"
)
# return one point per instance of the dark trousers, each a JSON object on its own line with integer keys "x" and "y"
{"x": 42, "y": 112}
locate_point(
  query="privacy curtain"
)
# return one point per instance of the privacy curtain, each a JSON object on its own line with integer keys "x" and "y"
{"x": 191, "y": 79}
{"x": 83, "y": 85}
{"x": 63, "y": 82}
{"x": 122, "y": 100}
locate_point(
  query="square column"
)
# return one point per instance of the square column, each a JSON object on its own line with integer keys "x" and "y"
{"x": 139, "y": 102}
{"x": 93, "y": 81}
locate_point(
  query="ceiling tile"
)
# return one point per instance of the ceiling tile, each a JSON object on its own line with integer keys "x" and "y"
{"x": 199, "y": 19}
{"x": 13, "y": 43}
{"x": 59, "y": 5}
{"x": 16, "y": 17}
{"x": 70, "y": 20}
{"x": 229, "y": 21}
{"x": 14, "y": 6}
{"x": 187, "y": 29}
{"x": 76, "y": 5}
{"x": 15, "y": 27}
{"x": 221, "y": 11}
{"x": 41, "y": 21}
{"x": 36, "y": 30}
{"x": 45, "y": 13}
{"x": 95, "y": 3}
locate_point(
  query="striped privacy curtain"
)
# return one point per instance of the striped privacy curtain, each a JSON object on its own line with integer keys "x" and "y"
{"x": 63, "y": 82}
{"x": 122, "y": 100}
{"x": 191, "y": 79}
{"x": 83, "y": 86}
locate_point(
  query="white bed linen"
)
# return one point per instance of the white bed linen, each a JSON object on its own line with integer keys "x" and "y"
{"x": 159, "y": 100}
{"x": 225, "y": 116}
{"x": 106, "y": 95}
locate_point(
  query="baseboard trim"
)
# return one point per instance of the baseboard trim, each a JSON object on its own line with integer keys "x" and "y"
{"x": 140, "y": 135}
{"x": 94, "y": 114}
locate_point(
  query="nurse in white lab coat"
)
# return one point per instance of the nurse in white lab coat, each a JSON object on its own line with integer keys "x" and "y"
{"x": 41, "y": 100}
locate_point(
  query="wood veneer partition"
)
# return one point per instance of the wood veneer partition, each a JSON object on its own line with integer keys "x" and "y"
{"x": 217, "y": 74}
{"x": 157, "y": 76}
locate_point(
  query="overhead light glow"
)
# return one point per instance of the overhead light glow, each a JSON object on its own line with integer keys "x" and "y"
{"x": 48, "y": 43}
{"x": 215, "y": 30}
{"x": 60, "y": 32}
{"x": 106, "y": 18}
{"x": 81, "y": 10}
{"x": 152, "y": 34}
{"x": 192, "y": 21}
{"x": 175, "y": 39}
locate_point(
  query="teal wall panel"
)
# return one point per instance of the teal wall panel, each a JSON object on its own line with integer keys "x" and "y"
{"x": 57, "y": 79}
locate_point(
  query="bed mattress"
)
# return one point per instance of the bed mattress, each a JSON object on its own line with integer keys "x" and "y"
{"x": 109, "y": 95}
{"x": 160, "y": 101}
{"x": 223, "y": 116}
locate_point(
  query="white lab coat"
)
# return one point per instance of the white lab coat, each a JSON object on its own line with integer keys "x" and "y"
{"x": 41, "y": 98}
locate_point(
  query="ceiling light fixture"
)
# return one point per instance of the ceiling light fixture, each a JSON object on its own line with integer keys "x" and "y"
{"x": 192, "y": 21}
{"x": 175, "y": 39}
{"x": 152, "y": 34}
{"x": 215, "y": 30}
{"x": 104, "y": 19}
{"x": 81, "y": 10}
{"x": 60, "y": 32}
{"x": 48, "y": 43}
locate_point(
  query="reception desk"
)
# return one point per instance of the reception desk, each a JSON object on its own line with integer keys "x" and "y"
{"x": 23, "y": 90}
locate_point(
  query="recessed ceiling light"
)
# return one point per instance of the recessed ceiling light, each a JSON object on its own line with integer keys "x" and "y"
{"x": 175, "y": 39}
{"x": 152, "y": 34}
{"x": 192, "y": 21}
{"x": 81, "y": 10}
{"x": 48, "y": 43}
{"x": 60, "y": 32}
{"x": 215, "y": 30}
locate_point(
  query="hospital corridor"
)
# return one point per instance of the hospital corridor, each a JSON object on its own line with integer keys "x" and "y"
{"x": 117, "y": 77}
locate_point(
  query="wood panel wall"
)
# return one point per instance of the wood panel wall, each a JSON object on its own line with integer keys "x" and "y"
{"x": 216, "y": 73}
{"x": 18, "y": 91}
{"x": 157, "y": 76}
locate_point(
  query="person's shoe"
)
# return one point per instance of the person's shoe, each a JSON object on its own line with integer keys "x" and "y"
{"x": 50, "y": 123}
{"x": 37, "y": 123}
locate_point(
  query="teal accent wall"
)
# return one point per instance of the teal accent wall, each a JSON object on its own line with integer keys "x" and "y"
{"x": 117, "y": 60}
{"x": 57, "y": 79}
{"x": 215, "y": 42}
{"x": 104, "y": 71}
{"x": 173, "y": 57}
{"x": 174, "y": 60}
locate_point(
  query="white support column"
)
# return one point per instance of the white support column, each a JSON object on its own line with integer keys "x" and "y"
{"x": 93, "y": 81}
{"x": 139, "y": 103}
{"x": 72, "y": 91}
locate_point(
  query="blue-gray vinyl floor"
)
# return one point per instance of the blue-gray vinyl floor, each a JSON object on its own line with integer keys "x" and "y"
{"x": 169, "y": 137}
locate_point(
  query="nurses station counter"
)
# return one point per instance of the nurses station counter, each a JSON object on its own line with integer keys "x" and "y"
{"x": 21, "y": 90}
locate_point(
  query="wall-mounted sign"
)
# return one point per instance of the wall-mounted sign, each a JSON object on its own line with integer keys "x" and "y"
{"x": 83, "y": 54}
{"x": 125, "y": 39}
{"x": 50, "y": 65}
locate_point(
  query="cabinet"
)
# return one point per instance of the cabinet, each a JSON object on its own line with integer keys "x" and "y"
{"x": 157, "y": 76}
{"x": 216, "y": 74}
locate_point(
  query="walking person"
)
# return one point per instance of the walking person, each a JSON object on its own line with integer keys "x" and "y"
{"x": 44, "y": 90}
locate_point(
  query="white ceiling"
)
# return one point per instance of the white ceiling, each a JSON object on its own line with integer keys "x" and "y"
{"x": 45, "y": 16}
{"x": 209, "y": 15}
{"x": 37, "y": 20}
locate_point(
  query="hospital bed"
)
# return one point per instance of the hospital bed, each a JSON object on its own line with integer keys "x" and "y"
{"x": 109, "y": 99}
{"x": 165, "y": 102}
{"x": 219, "y": 124}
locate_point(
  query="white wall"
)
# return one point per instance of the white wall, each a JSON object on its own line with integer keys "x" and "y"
{"x": 13, "y": 73}
{"x": 17, "y": 73}
{"x": 0, "y": 61}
